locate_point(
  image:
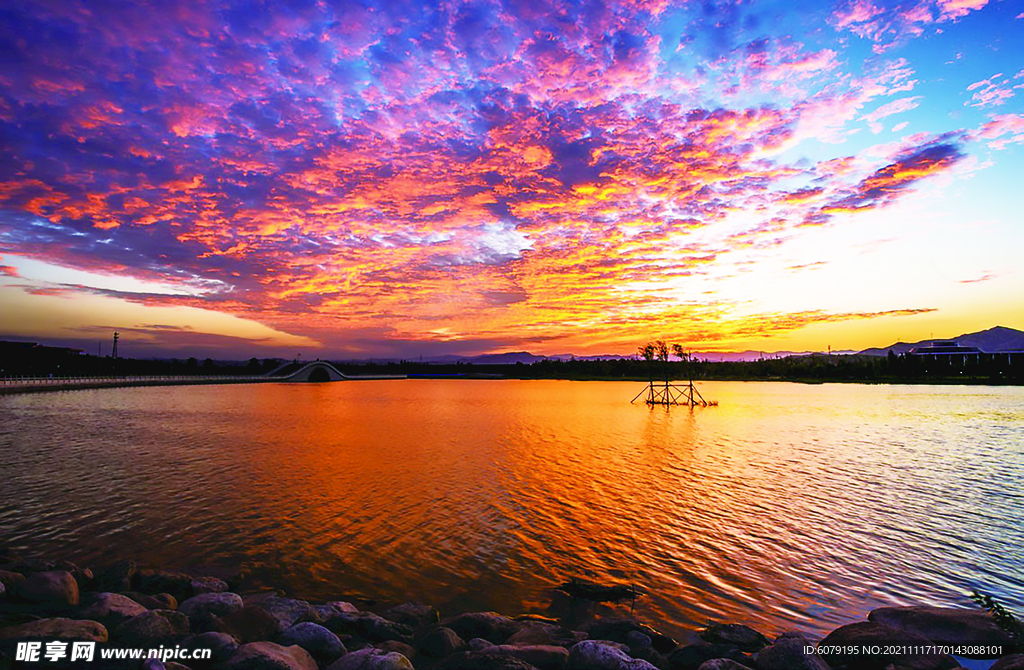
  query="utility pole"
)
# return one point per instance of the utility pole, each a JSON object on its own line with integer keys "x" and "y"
{"x": 113, "y": 353}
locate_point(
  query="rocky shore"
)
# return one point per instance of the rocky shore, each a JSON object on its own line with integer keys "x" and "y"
{"x": 124, "y": 607}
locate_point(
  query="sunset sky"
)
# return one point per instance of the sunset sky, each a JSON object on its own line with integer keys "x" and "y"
{"x": 376, "y": 178}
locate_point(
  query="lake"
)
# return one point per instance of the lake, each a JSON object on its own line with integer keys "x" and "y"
{"x": 787, "y": 506}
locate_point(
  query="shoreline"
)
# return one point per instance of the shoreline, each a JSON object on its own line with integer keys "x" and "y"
{"x": 122, "y": 606}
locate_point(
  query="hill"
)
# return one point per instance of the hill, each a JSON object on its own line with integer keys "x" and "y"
{"x": 992, "y": 341}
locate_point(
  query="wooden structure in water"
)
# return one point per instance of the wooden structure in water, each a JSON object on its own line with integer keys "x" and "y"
{"x": 667, "y": 393}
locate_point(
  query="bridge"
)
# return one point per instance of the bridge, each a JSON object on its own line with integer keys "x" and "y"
{"x": 314, "y": 371}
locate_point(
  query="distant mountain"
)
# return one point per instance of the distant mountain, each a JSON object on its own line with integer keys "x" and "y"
{"x": 991, "y": 341}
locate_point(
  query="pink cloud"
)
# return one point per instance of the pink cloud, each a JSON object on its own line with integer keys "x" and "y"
{"x": 991, "y": 92}
{"x": 889, "y": 109}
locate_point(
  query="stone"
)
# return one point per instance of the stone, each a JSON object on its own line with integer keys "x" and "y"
{"x": 542, "y": 633}
{"x": 201, "y": 585}
{"x": 324, "y": 646}
{"x": 372, "y": 659}
{"x": 65, "y": 630}
{"x": 161, "y": 601}
{"x": 490, "y": 626}
{"x": 3, "y": 590}
{"x": 111, "y": 609}
{"x": 788, "y": 653}
{"x": 542, "y": 657}
{"x": 221, "y": 645}
{"x": 218, "y": 604}
{"x": 616, "y": 629}
{"x": 116, "y": 578}
{"x": 54, "y": 588}
{"x": 637, "y": 641}
{"x": 328, "y": 610}
{"x": 368, "y": 626}
{"x": 152, "y": 628}
{"x": 944, "y": 625}
{"x": 439, "y": 642}
{"x": 597, "y": 655}
{"x": 479, "y": 644}
{"x": 1012, "y": 662}
{"x": 692, "y": 656}
{"x": 481, "y": 660}
{"x": 870, "y": 633}
{"x": 152, "y": 582}
{"x": 251, "y": 624}
{"x": 171, "y": 665}
{"x": 722, "y": 664}
{"x": 269, "y": 656}
{"x": 413, "y": 614}
{"x": 11, "y": 581}
{"x": 744, "y": 637}
{"x": 289, "y": 611}
{"x": 402, "y": 648}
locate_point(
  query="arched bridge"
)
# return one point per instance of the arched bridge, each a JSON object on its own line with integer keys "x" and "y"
{"x": 316, "y": 371}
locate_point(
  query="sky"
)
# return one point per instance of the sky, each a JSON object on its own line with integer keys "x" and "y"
{"x": 365, "y": 179}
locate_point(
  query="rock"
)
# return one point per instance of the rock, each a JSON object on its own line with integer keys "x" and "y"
{"x": 3, "y": 590}
{"x": 479, "y": 644}
{"x": 171, "y": 665}
{"x": 692, "y": 656}
{"x": 289, "y": 611}
{"x": 490, "y": 626}
{"x": 330, "y": 609}
{"x": 722, "y": 664}
{"x": 201, "y": 585}
{"x": 160, "y": 601}
{"x": 616, "y": 629}
{"x": 439, "y": 642}
{"x": 944, "y": 625}
{"x": 54, "y": 588}
{"x": 111, "y": 609}
{"x": 1012, "y": 662}
{"x": 788, "y": 653}
{"x": 542, "y": 657}
{"x": 269, "y": 656}
{"x": 324, "y": 646}
{"x": 869, "y": 633}
{"x": 372, "y": 659}
{"x": 152, "y": 628}
{"x": 153, "y": 664}
{"x": 413, "y": 614}
{"x": 744, "y": 637}
{"x": 11, "y": 581}
{"x": 65, "y": 630}
{"x": 597, "y": 655}
{"x": 368, "y": 626}
{"x": 402, "y": 648}
{"x": 221, "y": 645}
{"x": 541, "y": 633}
{"x": 218, "y": 604}
{"x": 481, "y": 660}
{"x": 637, "y": 641}
{"x": 251, "y": 624}
{"x": 116, "y": 578}
{"x": 157, "y": 581}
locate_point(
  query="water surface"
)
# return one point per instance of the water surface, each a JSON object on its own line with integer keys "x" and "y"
{"x": 787, "y": 506}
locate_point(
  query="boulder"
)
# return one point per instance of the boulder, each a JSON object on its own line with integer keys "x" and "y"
{"x": 944, "y": 625}
{"x": 218, "y": 604}
{"x": 372, "y": 659}
{"x": 413, "y": 614}
{"x": 368, "y": 626}
{"x": 11, "y": 581}
{"x": 3, "y": 590}
{"x": 616, "y": 629}
{"x": 598, "y": 655}
{"x": 438, "y": 643}
{"x": 490, "y": 626}
{"x": 1012, "y": 662}
{"x": 324, "y": 646}
{"x": 221, "y": 645}
{"x": 402, "y": 648}
{"x": 542, "y": 657}
{"x": 481, "y": 660}
{"x": 152, "y": 628}
{"x": 332, "y": 608}
{"x": 53, "y": 588}
{"x": 744, "y": 637}
{"x": 868, "y": 634}
{"x": 269, "y": 656}
{"x": 288, "y": 611}
{"x": 541, "y": 633}
{"x": 251, "y": 624}
{"x": 789, "y": 653}
{"x": 116, "y": 578}
{"x": 722, "y": 664}
{"x": 64, "y": 630}
{"x": 637, "y": 642}
{"x": 692, "y": 656}
{"x": 111, "y": 609}
{"x": 152, "y": 582}
{"x": 160, "y": 601}
{"x": 201, "y": 585}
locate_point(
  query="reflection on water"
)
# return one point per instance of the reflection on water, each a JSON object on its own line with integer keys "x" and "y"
{"x": 787, "y": 506}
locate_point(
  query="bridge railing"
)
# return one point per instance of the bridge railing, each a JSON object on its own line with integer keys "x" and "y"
{"x": 61, "y": 380}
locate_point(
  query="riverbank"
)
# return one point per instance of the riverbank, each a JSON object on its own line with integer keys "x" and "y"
{"x": 200, "y": 622}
